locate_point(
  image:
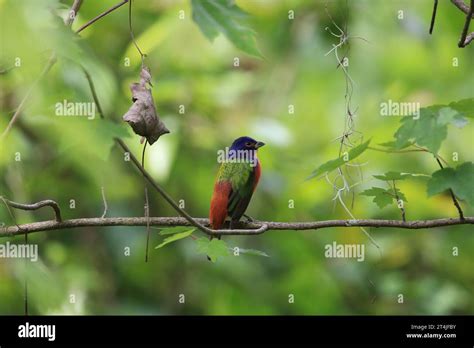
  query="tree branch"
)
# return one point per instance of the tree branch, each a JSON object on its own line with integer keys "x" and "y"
{"x": 35, "y": 206}
{"x": 462, "y": 6}
{"x": 468, "y": 10}
{"x": 249, "y": 228}
{"x": 469, "y": 38}
{"x": 462, "y": 41}
{"x": 73, "y": 12}
{"x": 103, "y": 14}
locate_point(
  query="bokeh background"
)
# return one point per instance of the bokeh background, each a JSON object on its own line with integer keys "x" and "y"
{"x": 64, "y": 158}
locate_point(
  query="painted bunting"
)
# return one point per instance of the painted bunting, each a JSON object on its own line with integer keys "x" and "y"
{"x": 236, "y": 181}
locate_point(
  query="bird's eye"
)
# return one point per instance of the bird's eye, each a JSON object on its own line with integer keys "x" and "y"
{"x": 248, "y": 144}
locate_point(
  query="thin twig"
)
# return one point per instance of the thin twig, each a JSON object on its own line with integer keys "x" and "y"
{"x": 469, "y": 39}
{"x": 35, "y": 206}
{"x": 247, "y": 227}
{"x": 73, "y": 12}
{"x": 20, "y": 108}
{"x": 104, "y": 200}
{"x": 462, "y": 6}
{"x": 147, "y": 206}
{"x": 462, "y": 41}
{"x": 453, "y": 197}
{"x": 94, "y": 94}
{"x": 95, "y": 19}
{"x": 147, "y": 217}
{"x": 433, "y": 16}
{"x": 142, "y": 55}
{"x": 398, "y": 201}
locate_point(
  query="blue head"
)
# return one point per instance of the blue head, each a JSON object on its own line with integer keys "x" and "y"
{"x": 246, "y": 143}
{"x": 244, "y": 149}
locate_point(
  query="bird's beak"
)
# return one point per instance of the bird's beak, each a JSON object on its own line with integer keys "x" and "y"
{"x": 259, "y": 144}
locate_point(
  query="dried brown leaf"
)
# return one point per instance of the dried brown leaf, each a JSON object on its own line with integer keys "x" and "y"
{"x": 142, "y": 115}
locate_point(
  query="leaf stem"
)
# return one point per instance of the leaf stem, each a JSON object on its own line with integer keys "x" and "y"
{"x": 147, "y": 206}
{"x": 453, "y": 197}
{"x": 433, "y": 16}
{"x": 397, "y": 151}
{"x": 142, "y": 55}
{"x": 398, "y": 201}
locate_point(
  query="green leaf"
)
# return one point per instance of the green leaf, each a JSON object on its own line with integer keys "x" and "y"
{"x": 425, "y": 131}
{"x": 173, "y": 230}
{"x": 63, "y": 40}
{"x": 448, "y": 115}
{"x": 460, "y": 180}
{"x": 383, "y": 197}
{"x": 336, "y": 163}
{"x": 390, "y": 176}
{"x": 252, "y": 252}
{"x": 431, "y": 128}
{"x": 213, "y": 248}
{"x": 175, "y": 237}
{"x": 464, "y": 106}
{"x": 400, "y": 194}
{"x": 111, "y": 130}
{"x": 214, "y": 16}
{"x": 106, "y": 131}
{"x": 93, "y": 131}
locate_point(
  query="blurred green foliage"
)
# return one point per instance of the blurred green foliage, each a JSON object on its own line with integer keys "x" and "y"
{"x": 66, "y": 158}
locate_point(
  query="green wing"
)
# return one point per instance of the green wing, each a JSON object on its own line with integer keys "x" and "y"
{"x": 241, "y": 177}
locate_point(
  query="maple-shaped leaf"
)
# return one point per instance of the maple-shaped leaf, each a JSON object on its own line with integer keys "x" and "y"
{"x": 459, "y": 179}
